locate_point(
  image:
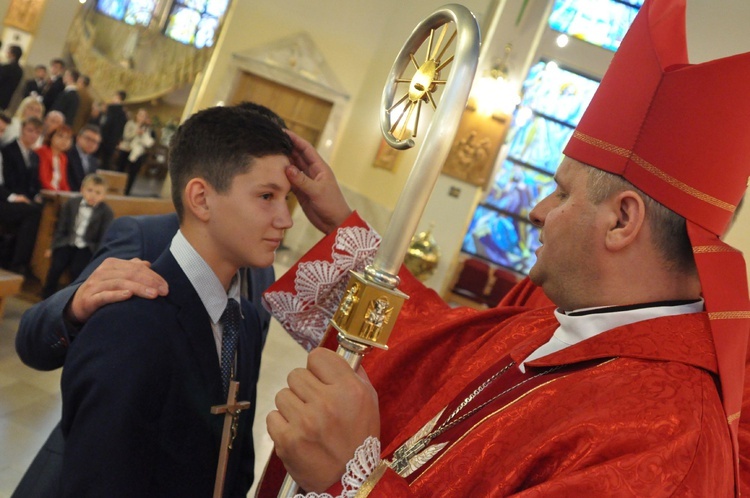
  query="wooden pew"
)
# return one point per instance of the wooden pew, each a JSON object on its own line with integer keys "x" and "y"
{"x": 53, "y": 201}
{"x": 10, "y": 285}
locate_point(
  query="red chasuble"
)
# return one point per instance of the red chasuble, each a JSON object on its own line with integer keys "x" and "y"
{"x": 642, "y": 418}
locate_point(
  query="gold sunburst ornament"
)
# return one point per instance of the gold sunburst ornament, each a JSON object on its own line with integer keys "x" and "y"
{"x": 422, "y": 85}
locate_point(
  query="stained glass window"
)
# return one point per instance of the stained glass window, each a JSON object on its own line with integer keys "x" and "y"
{"x": 195, "y": 22}
{"x": 554, "y": 101}
{"x": 112, "y": 8}
{"x": 601, "y": 22}
{"x": 135, "y": 12}
{"x": 139, "y": 12}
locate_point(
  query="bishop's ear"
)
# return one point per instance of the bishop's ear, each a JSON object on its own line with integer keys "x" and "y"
{"x": 629, "y": 217}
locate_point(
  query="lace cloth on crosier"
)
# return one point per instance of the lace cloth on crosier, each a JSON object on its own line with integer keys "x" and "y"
{"x": 365, "y": 461}
{"x": 305, "y": 311}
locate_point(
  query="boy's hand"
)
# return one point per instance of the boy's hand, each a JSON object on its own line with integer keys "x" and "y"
{"x": 115, "y": 280}
{"x": 315, "y": 186}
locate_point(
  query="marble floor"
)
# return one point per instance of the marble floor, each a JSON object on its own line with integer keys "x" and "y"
{"x": 30, "y": 400}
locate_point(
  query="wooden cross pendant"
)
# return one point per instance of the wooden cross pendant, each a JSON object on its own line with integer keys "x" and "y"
{"x": 231, "y": 412}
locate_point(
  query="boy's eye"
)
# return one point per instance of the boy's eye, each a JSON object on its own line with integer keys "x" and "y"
{"x": 267, "y": 197}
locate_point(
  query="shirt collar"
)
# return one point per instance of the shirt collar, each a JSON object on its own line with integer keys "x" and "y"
{"x": 202, "y": 277}
{"x": 579, "y": 325}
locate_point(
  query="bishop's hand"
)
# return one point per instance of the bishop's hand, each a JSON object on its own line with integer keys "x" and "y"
{"x": 324, "y": 415}
{"x": 315, "y": 186}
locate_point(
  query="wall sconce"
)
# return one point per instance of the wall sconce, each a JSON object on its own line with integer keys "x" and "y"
{"x": 493, "y": 92}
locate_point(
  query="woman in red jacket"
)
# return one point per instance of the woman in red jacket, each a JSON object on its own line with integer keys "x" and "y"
{"x": 53, "y": 162}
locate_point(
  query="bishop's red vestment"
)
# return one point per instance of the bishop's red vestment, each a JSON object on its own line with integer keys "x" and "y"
{"x": 642, "y": 418}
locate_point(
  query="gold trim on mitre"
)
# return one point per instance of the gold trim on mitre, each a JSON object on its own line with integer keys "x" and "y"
{"x": 709, "y": 249}
{"x": 701, "y": 196}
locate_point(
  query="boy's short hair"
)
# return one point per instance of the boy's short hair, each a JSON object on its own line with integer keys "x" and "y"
{"x": 95, "y": 179}
{"x": 33, "y": 120}
{"x": 5, "y": 118}
{"x": 263, "y": 111}
{"x": 122, "y": 94}
{"x": 219, "y": 143}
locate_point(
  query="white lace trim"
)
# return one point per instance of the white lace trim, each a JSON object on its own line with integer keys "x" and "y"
{"x": 319, "y": 285}
{"x": 366, "y": 459}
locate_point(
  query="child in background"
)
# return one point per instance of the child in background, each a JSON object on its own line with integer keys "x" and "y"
{"x": 83, "y": 221}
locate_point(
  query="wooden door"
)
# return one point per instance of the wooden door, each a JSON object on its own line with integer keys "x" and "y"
{"x": 304, "y": 114}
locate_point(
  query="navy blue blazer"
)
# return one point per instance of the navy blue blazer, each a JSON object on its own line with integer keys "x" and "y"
{"x": 75, "y": 168}
{"x": 42, "y": 337}
{"x": 138, "y": 386}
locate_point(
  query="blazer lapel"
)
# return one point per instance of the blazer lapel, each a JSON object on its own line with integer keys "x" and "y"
{"x": 194, "y": 320}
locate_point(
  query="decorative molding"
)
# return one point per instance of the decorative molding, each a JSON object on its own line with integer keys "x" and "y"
{"x": 24, "y": 14}
{"x": 296, "y": 62}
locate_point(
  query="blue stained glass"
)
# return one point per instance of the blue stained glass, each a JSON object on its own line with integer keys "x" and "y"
{"x": 204, "y": 36}
{"x": 558, "y": 93}
{"x": 140, "y": 12}
{"x": 198, "y": 5}
{"x": 539, "y": 142}
{"x": 216, "y": 8}
{"x": 517, "y": 189}
{"x": 112, "y": 8}
{"x": 182, "y": 24}
{"x": 502, "y": 239}
{"x": 600, "y": 22}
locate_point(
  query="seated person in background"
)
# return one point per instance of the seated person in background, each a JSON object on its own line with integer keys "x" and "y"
{"x": 29, "y": 107}
{"x": 53, "y": 162}
{"x": 52, "y": 120}
{"x": 19, "y": 194}
{"x": 136, "y": 139}
{"x": 81, "y": 158}
{"x": 80, "y": 228}
{"x": 141, "y": 377}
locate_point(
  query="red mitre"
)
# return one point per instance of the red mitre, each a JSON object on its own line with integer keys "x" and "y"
{"x": 680, "y": 133}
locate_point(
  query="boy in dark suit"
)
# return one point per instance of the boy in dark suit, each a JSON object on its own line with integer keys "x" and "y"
{"x": 138, "y": 389}
{"x": 80, "y": 228}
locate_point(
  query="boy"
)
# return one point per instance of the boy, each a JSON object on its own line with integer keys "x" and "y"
{"x": 83, "y": 221}
{"x": 137, "y": 397}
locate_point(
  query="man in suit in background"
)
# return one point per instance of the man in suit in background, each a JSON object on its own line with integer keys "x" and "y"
{"x": 10, "y": 75}
{"x": 112, "y": 124}
{"x": 36, "y": 84}
{"x": 68, "y": 101}
{"x": 86, "y": 102}
{"x": 81, "y": 158}
{"x": 55, "y": 85}
{"x": 19, "y": 191}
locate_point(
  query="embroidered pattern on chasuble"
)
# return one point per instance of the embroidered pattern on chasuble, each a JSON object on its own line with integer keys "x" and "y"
{"x": 476, "y": 404}
{"x": 604, "y": 409}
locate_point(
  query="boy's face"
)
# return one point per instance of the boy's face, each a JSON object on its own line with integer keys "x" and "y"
{"x": 248, "y": 221}
{"x": 93, "y": 194}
